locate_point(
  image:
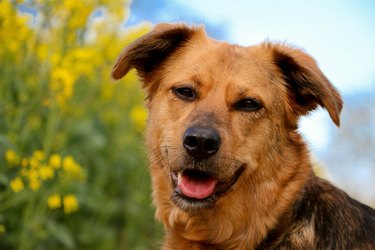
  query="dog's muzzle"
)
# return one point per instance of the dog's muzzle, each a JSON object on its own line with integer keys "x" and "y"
{"x": 198, "y": 184}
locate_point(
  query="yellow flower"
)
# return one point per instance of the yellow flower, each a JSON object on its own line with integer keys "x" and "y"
{"x": 55, "y": 161}
{"x": 68, "y": 163}
{"x": 78, "y": 20}
{"x": 42, "y": 51}
{"x": 72, "y": 168}
{"x": 17, "y": 185}
{"x": 34, "y": 163}
{"x": 54, "y": 201}
{"x": 33, "y": 174}
{"x": 24, "y": 162}
{"x": 138, "y": 115}
{"x": 83, "y": 60}
{"x": 72, "y": 4}
{"x": 70, "y": 204}
{"x": 11, "y": 157}
{"x": 62, "y": 83}
{"x": 34, "y": 184}
{"x": 107, "y": 92}
{"x": 46, "y": 172}
{"x": 12, "y": 20}
{"x": 39, "y": 155}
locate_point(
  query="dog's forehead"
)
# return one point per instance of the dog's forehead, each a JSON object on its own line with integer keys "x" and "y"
{"x": 235, "y": 68}
{"x": 220, "y": 57}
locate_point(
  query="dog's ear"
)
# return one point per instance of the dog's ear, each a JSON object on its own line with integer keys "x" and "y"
{"x": 148, "y": 52}
{"x": 307, "y": 86}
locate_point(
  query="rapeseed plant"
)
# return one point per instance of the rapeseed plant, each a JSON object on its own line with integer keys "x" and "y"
{"x": 70, "y": 204}
{"x": 72, "y": 168}
{"x": 17, "y": 184}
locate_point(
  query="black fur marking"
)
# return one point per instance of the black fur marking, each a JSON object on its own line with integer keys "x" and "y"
{"x": 156, "y": 48}
{"x": 338, "y": 221}
{"x": 301, "y": 89}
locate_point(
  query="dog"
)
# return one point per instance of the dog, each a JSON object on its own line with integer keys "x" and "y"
{"x": 229, "y": 168}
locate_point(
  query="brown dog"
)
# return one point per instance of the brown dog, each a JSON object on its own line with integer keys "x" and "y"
{"x": 228, "y": 166}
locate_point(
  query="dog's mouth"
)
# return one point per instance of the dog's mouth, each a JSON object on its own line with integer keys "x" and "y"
{"x": 195, "y": 189}
{"x": 196, "y": 184}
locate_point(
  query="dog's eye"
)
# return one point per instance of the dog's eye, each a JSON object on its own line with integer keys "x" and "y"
{"x": 247, "y": 105}
{"x": 185, "y": 93}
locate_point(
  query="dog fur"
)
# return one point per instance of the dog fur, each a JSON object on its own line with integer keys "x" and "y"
{"x": 253, "y": 98}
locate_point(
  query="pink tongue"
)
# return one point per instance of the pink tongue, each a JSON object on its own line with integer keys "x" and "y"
{"x": 195, "y": 187}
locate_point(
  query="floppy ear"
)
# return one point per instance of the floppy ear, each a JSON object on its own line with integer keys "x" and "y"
{"x": 307, "y": 86}
{"x": 148, "y": 52}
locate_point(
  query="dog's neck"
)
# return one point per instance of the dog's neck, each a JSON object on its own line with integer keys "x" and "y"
{"x": 252, "y": 213}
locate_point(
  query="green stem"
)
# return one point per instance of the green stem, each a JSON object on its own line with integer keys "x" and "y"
{"x": 26, "y": 240}
{"x": 53, "y": 118}
{"x": 15, "y": 200}
{"x": 4, "y": 196}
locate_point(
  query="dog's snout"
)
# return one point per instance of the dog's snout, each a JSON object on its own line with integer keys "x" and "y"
{"x": 201, "y": 142}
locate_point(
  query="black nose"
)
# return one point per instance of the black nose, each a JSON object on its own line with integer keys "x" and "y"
{"x": 201, "y": 142}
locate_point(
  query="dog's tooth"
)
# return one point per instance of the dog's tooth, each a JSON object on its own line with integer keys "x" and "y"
{"x": 179, "y": 178}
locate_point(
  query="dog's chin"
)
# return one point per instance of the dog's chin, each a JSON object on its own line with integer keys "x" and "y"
{"x": 196, "y": 190}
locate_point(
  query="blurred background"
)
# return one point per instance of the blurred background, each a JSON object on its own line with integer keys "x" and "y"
{"x": 73, "y": 171}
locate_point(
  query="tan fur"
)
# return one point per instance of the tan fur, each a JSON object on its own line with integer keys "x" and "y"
{"x": 266, "y": 142}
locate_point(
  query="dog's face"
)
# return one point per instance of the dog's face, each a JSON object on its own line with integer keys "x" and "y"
{"x": 219, "y": 113}
{"x": 205, "y": 119}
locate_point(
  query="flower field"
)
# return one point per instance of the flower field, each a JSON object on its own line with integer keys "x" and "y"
{"x": 73, "y": 171}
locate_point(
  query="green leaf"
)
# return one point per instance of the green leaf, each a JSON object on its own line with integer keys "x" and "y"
{"x": 62, "y": 234}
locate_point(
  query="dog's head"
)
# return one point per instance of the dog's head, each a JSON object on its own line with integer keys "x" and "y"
{"x": 220, "y": 113}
